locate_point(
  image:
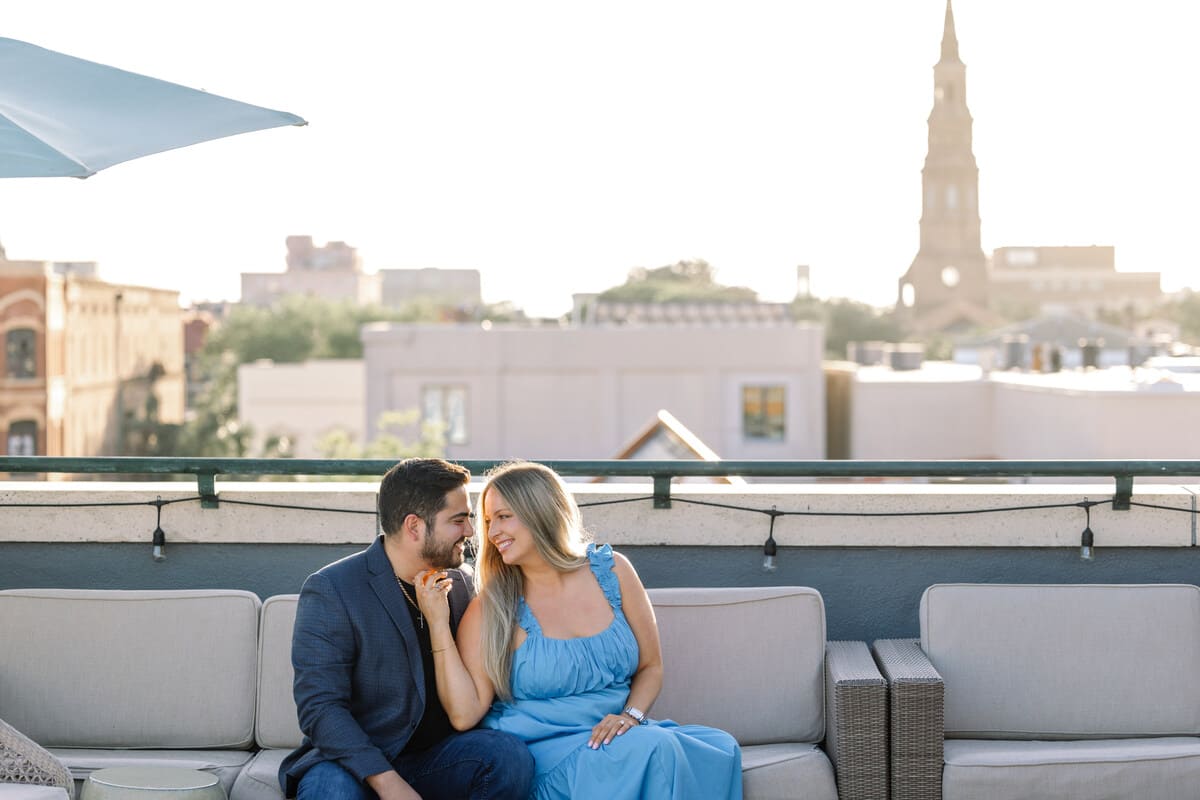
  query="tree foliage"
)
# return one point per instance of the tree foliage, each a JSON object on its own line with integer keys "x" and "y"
{"x": 683, "y": 281}
{"x": 848, "y": 321}
{"x": 393, "y": 439}
{"x": 213, "y": 429}
{"x": 1186, "y": 312}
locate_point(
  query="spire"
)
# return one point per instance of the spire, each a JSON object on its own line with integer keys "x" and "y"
{"x": 949, "y": 39}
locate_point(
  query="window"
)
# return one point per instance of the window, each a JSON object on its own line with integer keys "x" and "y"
{"x": 21, "y": 353}
{"x": 952, "y": 197}
{"x": 22, "y": 438}
{"x": 763, "y": 412}
{"x": 446, "y": 405}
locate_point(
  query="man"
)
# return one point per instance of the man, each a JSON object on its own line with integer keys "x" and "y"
{"x": 365, "y": 687}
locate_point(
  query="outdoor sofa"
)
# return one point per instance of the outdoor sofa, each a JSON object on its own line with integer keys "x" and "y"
{"x": 1050, "y": 691}
{"x": 202, "y": 679}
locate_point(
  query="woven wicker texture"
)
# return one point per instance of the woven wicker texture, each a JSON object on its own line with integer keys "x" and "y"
{"x": 857, "y": 733}
{"x": 916, "y": 708}
{"x": 23, "y": 760}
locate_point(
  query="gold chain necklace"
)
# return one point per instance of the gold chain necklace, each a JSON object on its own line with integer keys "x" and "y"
{"x": 411, "y": 602}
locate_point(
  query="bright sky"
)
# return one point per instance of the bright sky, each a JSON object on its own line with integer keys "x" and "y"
{"x": 554, "y": 145}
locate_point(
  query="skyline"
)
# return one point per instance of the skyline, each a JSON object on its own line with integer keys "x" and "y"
{"x": 554, "y": 148}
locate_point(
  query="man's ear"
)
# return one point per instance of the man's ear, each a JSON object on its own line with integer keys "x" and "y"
{"x": 413, "y": 527}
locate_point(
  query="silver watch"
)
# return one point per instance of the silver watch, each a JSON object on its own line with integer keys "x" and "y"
{"x": 636, "y": 713}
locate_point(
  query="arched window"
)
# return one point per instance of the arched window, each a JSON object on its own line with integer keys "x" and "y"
{"x": 20, "y": 353}
{"x": 22, "y": 438}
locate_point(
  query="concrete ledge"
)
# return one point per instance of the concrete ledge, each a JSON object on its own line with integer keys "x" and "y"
{"x": 627, "y": 523}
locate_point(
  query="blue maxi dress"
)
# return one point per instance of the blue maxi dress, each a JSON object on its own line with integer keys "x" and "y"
{"x": 562, "y": 687}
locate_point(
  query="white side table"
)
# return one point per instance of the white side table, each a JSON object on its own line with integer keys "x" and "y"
{"x": 151, "y": 783}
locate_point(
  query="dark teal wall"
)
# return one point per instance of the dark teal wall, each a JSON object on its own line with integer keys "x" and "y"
{"x": 869, "y": 593}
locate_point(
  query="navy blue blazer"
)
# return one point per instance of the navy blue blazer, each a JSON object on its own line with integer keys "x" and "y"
{"x": 359, "y": 680}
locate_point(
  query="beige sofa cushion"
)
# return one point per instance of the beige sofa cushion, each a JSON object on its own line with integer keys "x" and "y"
{"x": 130, "y": 669}
{"x": 260, "y": 778}
{"x": 1096, "y": 769}
{"x": 27, "y": 791}
{"x": 277, "y": 724}
{"x": 787, "y": 771}
{"x": 750, "y": 661}
{"x": 1065, "y": 661}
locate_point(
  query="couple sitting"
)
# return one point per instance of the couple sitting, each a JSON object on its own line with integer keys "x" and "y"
{"x": 545, "y": 692}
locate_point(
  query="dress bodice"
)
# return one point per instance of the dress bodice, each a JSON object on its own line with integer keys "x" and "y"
{"x": 544, "y": 667}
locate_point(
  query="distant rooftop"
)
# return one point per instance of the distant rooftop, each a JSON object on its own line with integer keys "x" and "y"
{"x": 1111, "y": 379}
{"x": 590, "y": 311}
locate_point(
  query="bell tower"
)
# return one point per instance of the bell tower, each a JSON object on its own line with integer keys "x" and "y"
{"x": 949, "y": 268}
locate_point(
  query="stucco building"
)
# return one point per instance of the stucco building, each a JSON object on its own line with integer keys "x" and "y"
{"x": 450, "y": 288}
{"x": 957, "y": 411}
{"x": 86, "y": 363}
{"x": 750, "y": 391}
{"x": 301, "y": 403}
{"x": 332, "y": 271}
{"x": 1026, "y": 280}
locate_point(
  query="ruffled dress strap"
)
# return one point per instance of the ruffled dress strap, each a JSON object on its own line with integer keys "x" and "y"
{"x": 526, "y": 619}
{"x": 600, "y": 557}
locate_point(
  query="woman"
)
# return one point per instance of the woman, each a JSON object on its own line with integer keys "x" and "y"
{"x": 562, "y": 637}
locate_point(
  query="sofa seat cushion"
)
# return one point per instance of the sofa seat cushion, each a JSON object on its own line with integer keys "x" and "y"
{"x": 779, "y": 771}
{"x": 1098, "y": 769}
{"x": 27, "y": 791}
{"x": 225, "y": 764}
{"x": 259, "y": 780}
{"x": 769, "y": 771}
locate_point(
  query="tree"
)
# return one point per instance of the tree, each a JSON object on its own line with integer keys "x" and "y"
{"x": 683, "y": 281}
{"x": 294, "y": 330}
{"x": 848, "y": 321}
{"x": 1186, "y": 312}
{"x": 390, "y": 442}
{"x": 213, "y": 429}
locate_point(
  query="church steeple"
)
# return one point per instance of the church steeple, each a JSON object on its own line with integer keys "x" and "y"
{"x": 949, "y": 268}
{"x": 949, "y": 38}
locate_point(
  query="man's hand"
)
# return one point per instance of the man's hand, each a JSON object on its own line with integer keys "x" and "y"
{"x": 390, "y": 786}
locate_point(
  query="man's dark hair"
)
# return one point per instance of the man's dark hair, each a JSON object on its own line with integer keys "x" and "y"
{"x": 417, "y": 486}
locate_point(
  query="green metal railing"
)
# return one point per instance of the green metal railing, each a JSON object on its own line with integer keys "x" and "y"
{"x": 206, "y": 470}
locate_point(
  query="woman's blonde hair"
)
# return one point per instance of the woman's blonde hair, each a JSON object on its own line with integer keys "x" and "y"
{"x": 540, "y": 500}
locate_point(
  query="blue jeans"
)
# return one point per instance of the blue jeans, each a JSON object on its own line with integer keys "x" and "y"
{"x": 477, "y": 764}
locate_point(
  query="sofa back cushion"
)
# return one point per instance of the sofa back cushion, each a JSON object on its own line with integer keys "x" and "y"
{"x": 277, "y": 725}
{"x": 750, "y": 661}
{"x": 129, "y": 669}
{"x": 1065, "y": 661}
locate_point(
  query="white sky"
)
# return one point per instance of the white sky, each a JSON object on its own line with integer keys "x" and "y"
{"x": 554, "y": 145}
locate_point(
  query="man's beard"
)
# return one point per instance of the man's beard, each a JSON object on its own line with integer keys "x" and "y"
{"x": 439, "y": 555}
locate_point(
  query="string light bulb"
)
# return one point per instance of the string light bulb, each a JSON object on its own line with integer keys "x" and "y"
{"x": 159, "y": 539}
{"x": 769, "y": 547}
{"x": 1087, "y": 540}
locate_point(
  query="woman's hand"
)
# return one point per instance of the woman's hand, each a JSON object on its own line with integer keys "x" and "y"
{"x": 612, "y": 725}
{"x": 433, "y": 588}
